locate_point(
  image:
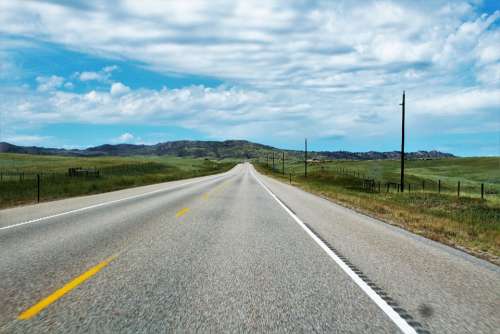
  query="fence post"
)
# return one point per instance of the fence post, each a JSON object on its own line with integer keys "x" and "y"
{"x": 409, "y": 187}
{"x": 458, "y": 189}
{"x": 482, "y": 190}
{"x": 38, "y": 188}
{"x": 379, "y": 187}
{"x": 290, "y": 178}
{"x": 423, "y": 185}
{"x": 439, "y": 186}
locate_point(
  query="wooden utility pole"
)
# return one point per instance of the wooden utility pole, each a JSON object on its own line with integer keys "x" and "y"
{"x": 305, "y": 159}
{"x": 283, "y": 162}
{"x": 403, "y": 144}
{"x": 273, "y": 161}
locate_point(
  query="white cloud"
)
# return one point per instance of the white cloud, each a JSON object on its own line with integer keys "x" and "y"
{"x": 103, "y": 75}
{"x": 89, "y": 76}
{"x": 49, "y": 83}
{"x": 219, "y": 112}
{"x": 8, "y": 68}
{"x": 109, "y": 69}
{"x": 26, "y": 139}
{"x": 124, "y": 138}
{"x": 293, "y": 68}
{"x": 459, "y": 103}
{"x": 118, "y": 89}
{"x": 259, "y": 43}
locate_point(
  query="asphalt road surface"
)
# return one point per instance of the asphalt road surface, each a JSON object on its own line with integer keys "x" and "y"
{"x": 234, "y": 252}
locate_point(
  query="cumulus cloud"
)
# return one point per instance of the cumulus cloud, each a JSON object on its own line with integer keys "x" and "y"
{"x": 103, "y": 75}
{"x": 118, "y": 89}
{"x": 7, "y": 66}
{"x": 222, "y": 112}
{"x": 124, "y": 138}
{"x": 49, "y": 83}
{"x": 458, "y": 103}
{"x": 26, "y": 139}
{"x": 109, "y": 69}
{"x": 261, "y": 43}
{"x": 88, "y": 76}
{"x": 325, "y": 68}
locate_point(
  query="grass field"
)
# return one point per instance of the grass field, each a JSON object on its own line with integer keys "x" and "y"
{"x": 18, "y": 174}
{"x": 466, "y": 222}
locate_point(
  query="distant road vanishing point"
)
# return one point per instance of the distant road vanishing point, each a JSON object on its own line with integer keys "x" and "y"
{"x": 233, "y": 252}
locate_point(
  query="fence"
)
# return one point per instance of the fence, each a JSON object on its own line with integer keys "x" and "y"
{"x": 373, "y": 185}
{"x": 15, "y": 184}
{"x": 124, "y": 169}
{"x": 366, "y": 183}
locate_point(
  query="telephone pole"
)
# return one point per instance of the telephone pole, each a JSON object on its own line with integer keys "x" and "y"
{"x": 403, "y": 144}
{"x": 273, "y": 161}
{"x": 283, "y": 162}
{"x": 305, "y": 159}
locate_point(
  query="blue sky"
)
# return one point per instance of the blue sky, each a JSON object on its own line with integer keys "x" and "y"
{"x": 78, "y": 74}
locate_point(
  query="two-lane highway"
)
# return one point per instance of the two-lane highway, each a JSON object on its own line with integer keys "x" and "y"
{"x": 235, "y": 252}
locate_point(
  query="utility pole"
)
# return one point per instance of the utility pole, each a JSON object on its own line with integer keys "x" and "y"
{"x": 273, "y": 161}
{"x": 403, "y": 144}
{"x": 283, "y": 162}
{"x": 305, "y": 159}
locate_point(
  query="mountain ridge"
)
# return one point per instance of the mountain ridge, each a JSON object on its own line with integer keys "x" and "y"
{"x": 242, "y": 149}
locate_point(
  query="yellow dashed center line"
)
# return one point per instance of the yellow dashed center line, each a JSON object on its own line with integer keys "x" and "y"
{"x": 181, "y": 212}
{"x": 218, "y": 188}
{"x": 204, "y": 197}
{"x": 44, "y": 303}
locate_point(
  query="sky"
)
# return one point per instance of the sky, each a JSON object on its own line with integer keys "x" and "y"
{"x": 75, "y": 74}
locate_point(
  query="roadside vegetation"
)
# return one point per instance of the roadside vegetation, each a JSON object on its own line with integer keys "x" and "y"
{"x": 466, "y": 222}
{"x": 18, "y": 174}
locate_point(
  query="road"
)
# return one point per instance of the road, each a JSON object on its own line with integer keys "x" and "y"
{"x": 234, "y": 252}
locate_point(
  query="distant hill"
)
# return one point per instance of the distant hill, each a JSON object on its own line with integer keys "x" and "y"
{"x": 240, "y": 149}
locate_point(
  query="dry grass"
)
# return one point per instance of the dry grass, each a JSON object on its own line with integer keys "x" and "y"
{"x": 469, "y": 224}
{"x": 116, "y": 173}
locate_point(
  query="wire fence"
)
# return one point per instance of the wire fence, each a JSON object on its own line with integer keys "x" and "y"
{"x": 362, "y": 181}
{"x": 16, "y": 184}
{"x": 468, "y": 189}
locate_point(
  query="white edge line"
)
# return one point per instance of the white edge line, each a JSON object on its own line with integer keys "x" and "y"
{"x": 103, "y": 204}
{"x": 393, "y": 315}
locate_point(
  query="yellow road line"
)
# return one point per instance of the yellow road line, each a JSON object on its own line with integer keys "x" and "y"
{"x": 181, "y": 212}
{"x": 44, "y": 303}
{"x": 219, "y": 187}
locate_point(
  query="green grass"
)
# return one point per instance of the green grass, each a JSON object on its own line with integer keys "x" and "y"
{"x": 471, "y": 172}
{"x": 466, "y": 222}
{"x": 115, "y": 173}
